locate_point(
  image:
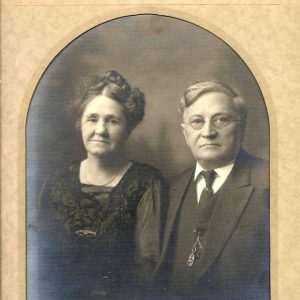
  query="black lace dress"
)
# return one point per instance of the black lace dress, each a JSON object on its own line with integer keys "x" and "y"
{"x": 95, "y": 242}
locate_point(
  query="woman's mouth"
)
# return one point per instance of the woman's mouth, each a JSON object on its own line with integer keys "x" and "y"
{"x": 100, "y": 141}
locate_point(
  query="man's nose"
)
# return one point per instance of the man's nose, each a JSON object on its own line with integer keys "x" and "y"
{"x": 208, "y": 130}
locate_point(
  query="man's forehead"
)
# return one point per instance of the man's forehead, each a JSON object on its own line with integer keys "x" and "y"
{"x": 211, "y": 103}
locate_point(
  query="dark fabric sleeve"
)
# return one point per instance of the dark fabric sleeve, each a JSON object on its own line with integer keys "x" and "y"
{"x": 149, "y": 228}
{"x": 46, "y": 228}
{"x": 45, "y": 215}
{"x": 51, "y": 240}
{"x": 50, "y": 208}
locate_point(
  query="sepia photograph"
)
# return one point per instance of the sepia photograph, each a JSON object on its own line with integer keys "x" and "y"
{"x": 147, "y": 168}
{"x": 149, "y": 150}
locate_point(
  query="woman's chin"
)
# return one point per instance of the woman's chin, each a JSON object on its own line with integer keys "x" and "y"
{"x": 100, "y": 153}
{"x": 104, "y": 153}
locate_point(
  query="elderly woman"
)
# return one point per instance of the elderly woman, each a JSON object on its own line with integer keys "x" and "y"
{"x": 100, "y": 219}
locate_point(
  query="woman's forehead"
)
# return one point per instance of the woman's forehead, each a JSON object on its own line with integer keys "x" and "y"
{"x": 103, "y": 105}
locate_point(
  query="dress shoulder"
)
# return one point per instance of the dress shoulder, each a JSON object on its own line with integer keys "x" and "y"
{"x": 68, "y": 172}
{"x": 61, "y": 182}
{"x": 146, "y": 172}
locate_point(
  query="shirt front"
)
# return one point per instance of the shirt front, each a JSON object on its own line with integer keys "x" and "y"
{"x": 222, "y": 174}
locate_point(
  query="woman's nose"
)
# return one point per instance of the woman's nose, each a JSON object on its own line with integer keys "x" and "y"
{"x": 100, "y": 127}
{"x": 208, "y": 130}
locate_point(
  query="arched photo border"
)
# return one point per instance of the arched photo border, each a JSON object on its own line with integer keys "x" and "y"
{"x": 120, "y": 13}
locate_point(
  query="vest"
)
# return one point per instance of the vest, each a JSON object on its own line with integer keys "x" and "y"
{"x": 182, "y": 277}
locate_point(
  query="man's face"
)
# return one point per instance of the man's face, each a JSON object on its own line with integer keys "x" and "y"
{"x": 213, "y": 145}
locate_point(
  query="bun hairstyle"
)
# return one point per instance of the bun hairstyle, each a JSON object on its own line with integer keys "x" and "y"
{"x": 113, "y": 85}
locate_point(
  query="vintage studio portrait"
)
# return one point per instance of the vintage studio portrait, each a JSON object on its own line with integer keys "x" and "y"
{"x": 147, "y": 168}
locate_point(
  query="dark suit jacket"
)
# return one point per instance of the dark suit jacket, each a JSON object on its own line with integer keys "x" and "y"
{"x": 235, "y": 264}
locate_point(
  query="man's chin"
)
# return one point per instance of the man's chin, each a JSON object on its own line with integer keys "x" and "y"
{"x": 212, "y": 160}
{"x": 211, "y": 155}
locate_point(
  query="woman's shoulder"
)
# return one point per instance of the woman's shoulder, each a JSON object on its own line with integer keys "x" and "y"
{"x": 139, "y": 179}
{"x": 60, "y": 184}
{"x": 63, "y": 177}
{"x": 144, "y": 170}
{"x": 66, "y": 172}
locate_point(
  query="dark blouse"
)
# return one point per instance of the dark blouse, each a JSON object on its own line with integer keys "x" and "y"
{"x": 95, "y": 242}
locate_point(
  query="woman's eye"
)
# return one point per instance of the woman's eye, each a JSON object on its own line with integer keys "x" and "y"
{"x": 113, "y": 122}
{"x": 92, "y": 120}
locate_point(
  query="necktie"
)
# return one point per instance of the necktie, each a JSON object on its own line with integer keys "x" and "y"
{"x": 205, "y": 205}
{"x": 204, "y": 210}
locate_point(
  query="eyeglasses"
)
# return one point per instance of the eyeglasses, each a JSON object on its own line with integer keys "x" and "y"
{"x": 218, "y": 122}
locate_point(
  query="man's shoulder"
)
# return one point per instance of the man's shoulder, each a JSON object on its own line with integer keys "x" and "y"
{"x": 181, "y": 176}
{"x": 259, "y": 168}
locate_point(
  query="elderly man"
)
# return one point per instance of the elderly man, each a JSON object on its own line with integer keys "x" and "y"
{"x": 216, "y": 241}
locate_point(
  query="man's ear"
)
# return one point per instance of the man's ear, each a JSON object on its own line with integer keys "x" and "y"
{"x": 182, "y": 125}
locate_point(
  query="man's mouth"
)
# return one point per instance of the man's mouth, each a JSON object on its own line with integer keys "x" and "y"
{"x": 210, "y": 145}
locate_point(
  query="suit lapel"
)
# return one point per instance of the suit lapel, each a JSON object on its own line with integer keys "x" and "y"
{"x": 228, "y": 209}
{"x": 176, "y": 194}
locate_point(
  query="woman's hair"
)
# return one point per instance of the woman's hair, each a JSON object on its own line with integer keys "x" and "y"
{"x": 113, "y": 85}
{"x": 193, "y": 92}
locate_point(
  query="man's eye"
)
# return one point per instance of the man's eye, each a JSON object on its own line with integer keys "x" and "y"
{"x": 221, "y": 120}
{"x": 197, "y": 121}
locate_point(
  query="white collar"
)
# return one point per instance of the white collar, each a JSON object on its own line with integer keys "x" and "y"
{"x": 222, "y": 172}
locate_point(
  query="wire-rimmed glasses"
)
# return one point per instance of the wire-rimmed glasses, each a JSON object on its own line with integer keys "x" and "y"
{"x": 219, "y": 121}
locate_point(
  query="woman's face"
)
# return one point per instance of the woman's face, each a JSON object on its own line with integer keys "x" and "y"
{"x": 103, "y": 126}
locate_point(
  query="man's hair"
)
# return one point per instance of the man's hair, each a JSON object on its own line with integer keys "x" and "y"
{"x": 193, "y": 92}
